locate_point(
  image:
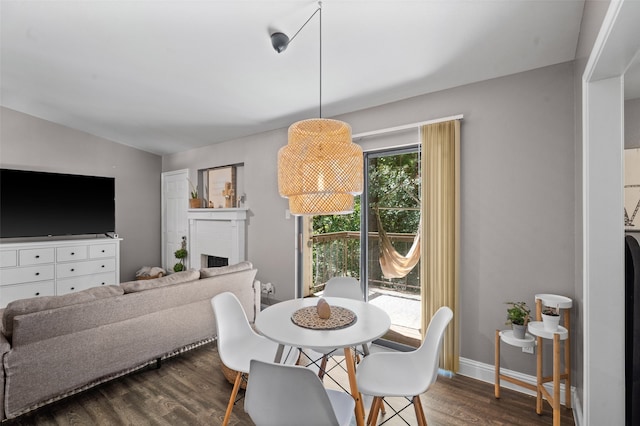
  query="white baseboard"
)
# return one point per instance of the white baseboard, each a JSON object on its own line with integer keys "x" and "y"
{"x": 577, "y": 408}
{"x": 486, "y": 373}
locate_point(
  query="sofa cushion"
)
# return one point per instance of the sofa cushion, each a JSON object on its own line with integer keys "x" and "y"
{"x": 42, "y": 303}
{"x": 177, "y": 278}
{"x": 221, "y": 270}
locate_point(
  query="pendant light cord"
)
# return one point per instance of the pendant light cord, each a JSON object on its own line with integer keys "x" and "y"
{"x": 320, "y": 96}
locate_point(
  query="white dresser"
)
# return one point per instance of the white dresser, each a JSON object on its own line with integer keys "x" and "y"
{"x": 30, "y": 269}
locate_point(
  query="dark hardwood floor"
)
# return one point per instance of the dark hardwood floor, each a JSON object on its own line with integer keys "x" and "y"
{"x": 190, "y": 389}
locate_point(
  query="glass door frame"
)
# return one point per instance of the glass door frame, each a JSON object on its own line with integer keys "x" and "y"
{"x": 364, "y": 227}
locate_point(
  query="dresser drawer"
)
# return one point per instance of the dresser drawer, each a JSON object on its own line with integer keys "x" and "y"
{"x": 102, "y": 250}
{"x": 70, "y": 285}
{"x": 36, "y": 256}
{"x": 10, "y": 293}
{"x": 26, "y": 274}
{"x": 74, "y": 269}
{"x": 66, "y": 254}
{"x": 8, "y": 258}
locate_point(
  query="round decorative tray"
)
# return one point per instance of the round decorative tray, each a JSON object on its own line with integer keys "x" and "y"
{"x": 308, "y": 318}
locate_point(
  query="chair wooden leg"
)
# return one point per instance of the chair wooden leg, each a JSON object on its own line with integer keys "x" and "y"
{"x": 373, "y": 412}
{"x": 232, "y": 399}
{"x": 417, "y": 405}
{"x": 323, "y": 366}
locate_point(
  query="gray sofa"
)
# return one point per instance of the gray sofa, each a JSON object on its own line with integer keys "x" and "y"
{"x": 52, "y": 347}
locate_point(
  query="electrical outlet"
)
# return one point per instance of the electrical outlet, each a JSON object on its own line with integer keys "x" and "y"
{"x": 530, "y": 350}
{"x": 267, "y": 288}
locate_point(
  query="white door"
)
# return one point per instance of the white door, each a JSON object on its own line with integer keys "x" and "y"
{"x": 175, "y": 202}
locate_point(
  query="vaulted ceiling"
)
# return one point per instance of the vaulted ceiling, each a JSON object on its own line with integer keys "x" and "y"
{"x": 168, "y": 76}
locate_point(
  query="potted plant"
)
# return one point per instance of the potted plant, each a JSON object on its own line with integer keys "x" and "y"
{"x": 518, "y": 314}
{"x": 181, "y": 255}
{"x": 550, "y": 318}
{"x": 194, "y": 201}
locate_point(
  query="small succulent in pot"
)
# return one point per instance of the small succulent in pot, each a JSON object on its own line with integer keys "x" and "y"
{"x": 551, "y": 311}
{"x": 518, "y": 315}
{"x": 550, "y": 318}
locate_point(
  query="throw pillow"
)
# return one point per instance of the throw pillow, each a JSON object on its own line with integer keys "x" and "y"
{"x": 221, "y": 270}
{"x": 176, "y": 278}
{"x": 42, "y": 303}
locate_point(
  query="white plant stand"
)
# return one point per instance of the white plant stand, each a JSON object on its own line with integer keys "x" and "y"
{"x": 562, "y": 334}
{"x": 507, "y": 337}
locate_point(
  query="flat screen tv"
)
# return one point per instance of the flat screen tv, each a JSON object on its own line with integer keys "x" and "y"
{"x": 41, "y": 204}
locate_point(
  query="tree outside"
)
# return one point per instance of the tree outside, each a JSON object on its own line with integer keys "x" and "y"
{"x": 394, "y": 195}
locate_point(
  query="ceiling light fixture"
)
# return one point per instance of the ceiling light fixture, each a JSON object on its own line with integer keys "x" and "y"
{"x": 320, "y": 169}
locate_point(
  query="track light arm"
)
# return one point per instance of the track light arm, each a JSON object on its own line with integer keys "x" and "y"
{"x": 280, "y": 41}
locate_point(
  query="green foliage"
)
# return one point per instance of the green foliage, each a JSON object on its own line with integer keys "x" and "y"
{"x": 338, "y": 222}
{"x": 518, "y": 313}
{"x": 394, "y": 181}
{"x": 194, "y": 189}
{"x": 394, "y": 187}
{"x": 181, "y": 254}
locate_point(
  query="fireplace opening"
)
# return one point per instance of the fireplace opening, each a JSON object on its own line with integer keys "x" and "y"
{"x": 215, "y": 261}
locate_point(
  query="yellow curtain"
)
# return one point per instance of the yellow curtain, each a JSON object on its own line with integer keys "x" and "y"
{"x": 440, "y": 230}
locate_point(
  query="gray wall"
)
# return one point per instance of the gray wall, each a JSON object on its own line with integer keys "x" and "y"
{"x": 632, "y": 123}
{"x": 27, "y": 142}
{"x": 518, "y": 195}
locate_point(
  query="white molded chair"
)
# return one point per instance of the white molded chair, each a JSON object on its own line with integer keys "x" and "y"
{"x": 238, "y": 344}
{"x": 404, "y": 374}
{"x": 349, "y": 288}
{"x": 282, "y": 395}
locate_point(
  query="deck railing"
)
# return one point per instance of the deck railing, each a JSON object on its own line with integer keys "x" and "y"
{"x": 338, "y": 254}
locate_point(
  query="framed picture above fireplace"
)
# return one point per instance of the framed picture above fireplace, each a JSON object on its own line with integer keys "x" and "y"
{"x": 223, "y": 186}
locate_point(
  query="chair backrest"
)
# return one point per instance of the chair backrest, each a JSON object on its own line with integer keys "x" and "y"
{"x": 429, "y": 350}
{"x": 347, "y": 287}
{"x": 231, "y": 323}
{"x": 282, "y": 395}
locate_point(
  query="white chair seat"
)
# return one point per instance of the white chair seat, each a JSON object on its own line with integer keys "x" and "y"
{"x": 238, "y": 344}
{"x": 343, "y": 406}
{"x": 381, "y": 375}
{"x": 281, "y": 395}
{"x": 404, "y": 374}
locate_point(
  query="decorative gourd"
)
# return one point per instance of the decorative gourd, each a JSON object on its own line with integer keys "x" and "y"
{"x": 324, "y": 310}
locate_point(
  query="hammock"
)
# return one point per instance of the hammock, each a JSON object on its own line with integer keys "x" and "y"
{"x": 392, "y": 263}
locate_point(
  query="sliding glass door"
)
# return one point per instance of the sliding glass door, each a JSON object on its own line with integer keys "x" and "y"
{"x": 378, "y": 243}
{"x": 390, "y": 243}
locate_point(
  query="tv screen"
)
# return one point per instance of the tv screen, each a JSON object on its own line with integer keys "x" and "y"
{"x": 34, "y": 204}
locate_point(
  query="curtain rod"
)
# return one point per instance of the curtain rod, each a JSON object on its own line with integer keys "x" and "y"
{"x": 406, "y": 126}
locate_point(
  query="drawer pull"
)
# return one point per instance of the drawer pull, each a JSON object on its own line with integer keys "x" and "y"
{"x": 103, "y": 251}
{"x": 103, "y": 266}
{"x": 73, "y": 254}
{"x": 37, "y": 273}
{"x": 37, "y": 256}
{"x": 73, "y": 288}
{"x": 38, "y": 293}
{"x": 72, "y": 269}
{"x": 102, "y": 284}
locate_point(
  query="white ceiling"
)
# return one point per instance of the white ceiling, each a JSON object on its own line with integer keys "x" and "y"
{"x": 167, "y": 76}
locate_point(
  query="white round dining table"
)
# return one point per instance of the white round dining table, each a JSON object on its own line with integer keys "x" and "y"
{"x": 275, "y": 323}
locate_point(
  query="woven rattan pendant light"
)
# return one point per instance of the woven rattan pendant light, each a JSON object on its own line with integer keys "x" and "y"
{"x": 320, "y": 169}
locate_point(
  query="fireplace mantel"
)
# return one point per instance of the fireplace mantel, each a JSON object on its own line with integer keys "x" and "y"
{"x": 216, "y": 232}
